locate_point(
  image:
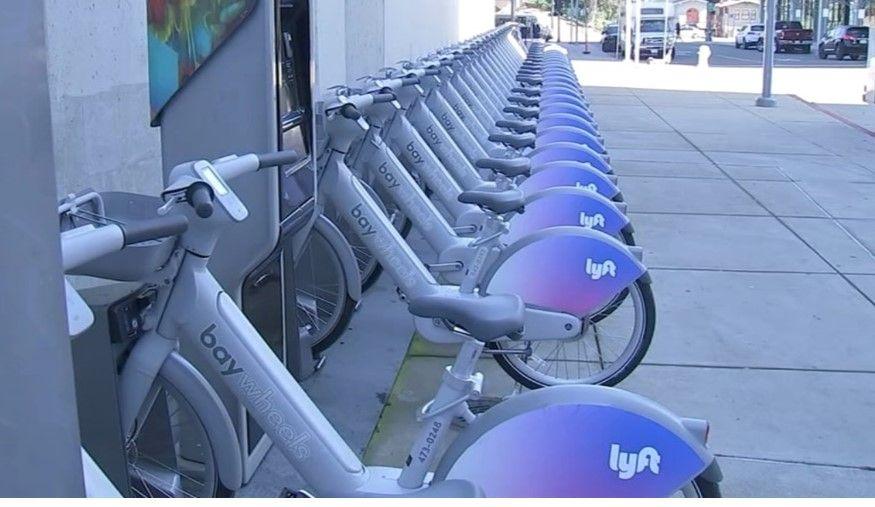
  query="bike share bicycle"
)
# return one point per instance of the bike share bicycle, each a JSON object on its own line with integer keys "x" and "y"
{"x": 553, "y": 206}
{"x": 564, "y": 440}
{"x": 606, "y": 350}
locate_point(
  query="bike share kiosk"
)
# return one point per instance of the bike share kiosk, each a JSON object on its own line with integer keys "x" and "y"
{"x": 236, "y": 80}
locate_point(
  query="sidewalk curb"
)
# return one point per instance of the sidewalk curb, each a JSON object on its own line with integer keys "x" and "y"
{"x": 834, "y": 115}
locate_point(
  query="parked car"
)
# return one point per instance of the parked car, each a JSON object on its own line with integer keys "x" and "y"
{"x": 789, "y": 35}
{"x": 747, "y": 36}
{"x": 610, "y": 36}
{"x": 842, "y": 41}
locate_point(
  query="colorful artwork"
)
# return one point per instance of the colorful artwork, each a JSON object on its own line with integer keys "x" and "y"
{"x": 182, "y": 36}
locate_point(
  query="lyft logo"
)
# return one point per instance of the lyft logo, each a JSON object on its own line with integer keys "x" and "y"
{"x": 591, "y": 221}
{"x": 630, "y": 464}
{"x": 596, "y": 270}
{"x": 589, "y": 186}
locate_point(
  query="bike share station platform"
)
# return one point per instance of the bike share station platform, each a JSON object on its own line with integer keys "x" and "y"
{"x": 237, "y": 82}
{"x": 249, "y": 94}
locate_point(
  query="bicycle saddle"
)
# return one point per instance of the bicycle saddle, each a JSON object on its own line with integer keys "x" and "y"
{"x": 516, "y": 141}
{"x": 510, "y": 167}
{"x": 523, "y": 100}
{"x": 485, "y": 317}
{"x": 525, "y": 112}
{"x": 518, "y": 125}
{"x": 497, "y": 201}
{"x": 530, "y": 92}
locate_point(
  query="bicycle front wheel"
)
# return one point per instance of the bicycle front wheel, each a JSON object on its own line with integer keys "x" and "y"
{"x": 608, "y": 349}
{"x": 321, "y": 293}
{"x": 171, "y": 455}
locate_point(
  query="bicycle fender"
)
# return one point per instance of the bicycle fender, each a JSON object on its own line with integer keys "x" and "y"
{"x": 211, "y": 411}
{"x": 569, "y": 174}
{"x": 569, "y": 134}
{"x": 569, "y": 120}
{"x": 344, "y": 253}
{"x": 576, "y": 441}
{"x": 574, "y": 109}
{"x": 568, "y": 151}
{"x": 569, "y": 269}
{"x": 566, "y": 206}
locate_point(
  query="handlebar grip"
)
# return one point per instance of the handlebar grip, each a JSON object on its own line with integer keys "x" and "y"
{"x": 350, "y": 112}
{"x": 409, "y": 81}
{"x": 278, "y": 158}
{"x": 432, "y": 72}
{"x": 153, "y": 228}
{"x": 380, "y": 98}
{"x": 200, "y": 197}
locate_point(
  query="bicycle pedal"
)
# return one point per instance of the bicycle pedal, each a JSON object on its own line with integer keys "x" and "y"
{"x": 296, "y": 493}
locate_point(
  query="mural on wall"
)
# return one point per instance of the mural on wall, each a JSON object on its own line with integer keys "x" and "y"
{"x": 182, "y": 35}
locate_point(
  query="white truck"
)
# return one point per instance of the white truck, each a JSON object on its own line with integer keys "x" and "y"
{"x": 655, "y": 34}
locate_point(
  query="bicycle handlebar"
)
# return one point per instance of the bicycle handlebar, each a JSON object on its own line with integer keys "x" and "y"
{"x": 383, "y": 97}
{"x": 279, "y": 158}
{"x": 88, "y": 243}
{"x": 200, "y": 198}
{"x": 154, "y": 228}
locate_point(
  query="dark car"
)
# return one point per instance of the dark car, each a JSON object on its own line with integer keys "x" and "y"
{"x": 609, "y": 38}
{"x": 845, "y": 41}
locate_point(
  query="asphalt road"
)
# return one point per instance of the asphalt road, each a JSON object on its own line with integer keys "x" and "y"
{"x": 724, "y": 54}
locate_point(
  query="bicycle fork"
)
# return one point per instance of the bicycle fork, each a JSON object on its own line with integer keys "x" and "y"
{"x": 458, "y": 385}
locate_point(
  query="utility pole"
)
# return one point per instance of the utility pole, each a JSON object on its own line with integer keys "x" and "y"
{"x": 586, "y": 25}
{"x": 766, "y": 100}
{"x": 638, "y": 31}
{"x": 513, "y": 10}
{"x": 627, "y": 32}
{"x": 818, "y": 26}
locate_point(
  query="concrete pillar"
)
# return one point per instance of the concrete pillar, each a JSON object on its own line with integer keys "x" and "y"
{"x": 39, "y": 430}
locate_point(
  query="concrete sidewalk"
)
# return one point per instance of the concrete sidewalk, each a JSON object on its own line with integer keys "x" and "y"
{"x": 758, "y": 227}
{"x": 759, "y": 230}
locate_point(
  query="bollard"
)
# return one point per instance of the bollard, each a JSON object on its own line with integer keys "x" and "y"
{"x": 704, "y": 55}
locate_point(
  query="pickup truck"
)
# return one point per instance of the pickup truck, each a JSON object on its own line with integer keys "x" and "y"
{"x": 790, "y": 35}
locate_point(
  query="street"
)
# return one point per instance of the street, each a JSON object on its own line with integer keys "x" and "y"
{"x": 724, "y": 54}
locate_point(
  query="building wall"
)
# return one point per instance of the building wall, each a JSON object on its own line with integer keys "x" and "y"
{"x": 378, "y": 33}
{"x": 99, "y": 92}
{"x": 681, "y": 9}
{"x": 98, "y": 73}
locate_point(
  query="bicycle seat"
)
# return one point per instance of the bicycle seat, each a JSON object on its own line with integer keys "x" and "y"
{"x": 485, "y": 317}
{"x": 529, "y": 92}
{"x": 516, "y": 141}
{"x": 510, "y": 167}
{"x": 523, "y": 100}
{"x": 497, "y": 201}
{"x": 525, "y": 112}
{"x": 518, "y": 125}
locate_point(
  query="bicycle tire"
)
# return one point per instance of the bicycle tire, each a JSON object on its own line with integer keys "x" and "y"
{"x": 140, "y": 487}
{"x": 535, "y": 380}
{"x": 325, "y": 331}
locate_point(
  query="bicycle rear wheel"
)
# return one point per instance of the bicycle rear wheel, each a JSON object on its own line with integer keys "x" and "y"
{"x": 605, "y": 353}
{"x": 170, "y": 455}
